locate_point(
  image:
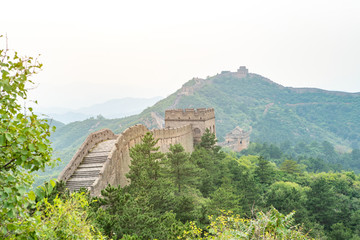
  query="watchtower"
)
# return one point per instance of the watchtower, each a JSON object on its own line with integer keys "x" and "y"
{"x": 200, "y": 119}
{"x": 242, "y": 72}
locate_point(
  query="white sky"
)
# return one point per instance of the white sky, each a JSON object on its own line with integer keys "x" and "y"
{"x": 94, "y": 51}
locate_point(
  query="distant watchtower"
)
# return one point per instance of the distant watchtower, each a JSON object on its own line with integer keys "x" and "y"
{"x": 200, "y": 119}
{"x": 242, "y": 72}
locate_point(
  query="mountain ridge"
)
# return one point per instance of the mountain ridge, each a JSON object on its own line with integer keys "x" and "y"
{"x": 276, "y": 114}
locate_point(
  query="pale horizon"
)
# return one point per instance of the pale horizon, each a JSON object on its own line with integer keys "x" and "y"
{"x": 93, "y": 52}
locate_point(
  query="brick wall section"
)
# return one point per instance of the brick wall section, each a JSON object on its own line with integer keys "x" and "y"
{"x": 168, "y": 136}
{"x": 200, "y": 119}
{"x": 117, "y": 165}
{"x": 90, "y": 142}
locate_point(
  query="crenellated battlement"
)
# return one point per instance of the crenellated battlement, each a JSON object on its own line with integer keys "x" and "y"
{"x": 190, "y": 114}
{"x": 200, "y": 119}
{"x": 242, "y": 72}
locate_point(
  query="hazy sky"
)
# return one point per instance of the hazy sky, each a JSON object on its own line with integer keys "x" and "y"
{"x": 93, "y": 51}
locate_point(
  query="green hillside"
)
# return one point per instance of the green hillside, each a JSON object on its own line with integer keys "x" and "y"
{"x": 276, "y": 114}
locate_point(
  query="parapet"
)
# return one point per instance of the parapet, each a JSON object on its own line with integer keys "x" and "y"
{"x": 190, "y": 114}
{"x": 242, "y": 72}
{"x": 243, "y": 69}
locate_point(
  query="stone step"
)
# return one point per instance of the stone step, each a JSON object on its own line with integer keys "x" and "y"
{"x": 88, "y": 170}
{"x": 104, "y": 155}
{"x": 85, "y": 175}
{"x": 73, "y": 188}
{"x": 82, "y": 174}
{"x": 88, "y": 160}
{"x": 98, "y": 154}
{"x": 80, "y": 182}
{"x": 90, "y": 165}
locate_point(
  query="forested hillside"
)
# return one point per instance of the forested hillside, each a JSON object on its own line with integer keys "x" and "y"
{"x": 211, "y": 194}
{"x": 276, "y": 114}
{"x": 266, "y": 192}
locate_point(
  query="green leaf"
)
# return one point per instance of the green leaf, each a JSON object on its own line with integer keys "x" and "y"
{"x": 53, "y": 183}
{"x": 42, "y": 147}
{"x": 2, "y": 140}
{"x": 40, "y": 193}
{"x": 32, "y": 195}
{"x": 10, "y": 213}
{"x": 8, "y": 137}
{"x": 21, "y": 139}
{"x": 32, "y": 147}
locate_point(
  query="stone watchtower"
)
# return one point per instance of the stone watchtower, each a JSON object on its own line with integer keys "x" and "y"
{"x": 200, "y": 119}
{"x": 242, "y": 72}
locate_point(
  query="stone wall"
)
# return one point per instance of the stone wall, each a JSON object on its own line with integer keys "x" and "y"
{"x": 168, "y": 136}
{"x": 199, "y": 114}
{"x": 90, "y": 142}
{"x": 117, "y": 165}
{"x": 200, "y": 119}
{"x": 237, "y": 140}
{"x": 242, "y": 72}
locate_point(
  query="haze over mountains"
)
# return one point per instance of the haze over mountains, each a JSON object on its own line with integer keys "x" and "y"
{"x": 114, "y": 108}
{"x": 274, "y": 114}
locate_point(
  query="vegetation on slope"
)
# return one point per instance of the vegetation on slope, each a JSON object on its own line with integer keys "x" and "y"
{"x": 275, "y": 113}
{"x": 246, "y": 197}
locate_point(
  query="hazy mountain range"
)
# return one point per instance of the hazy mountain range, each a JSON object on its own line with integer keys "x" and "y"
{"x": 115, "y": 108}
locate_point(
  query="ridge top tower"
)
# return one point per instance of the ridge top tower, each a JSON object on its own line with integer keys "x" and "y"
{"x": 200, "y": 119}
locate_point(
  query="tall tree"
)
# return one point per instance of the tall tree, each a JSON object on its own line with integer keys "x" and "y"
{"x": 321, "y": 201}
{"x": 145, "y": 163}
{"x": 264, "y": 171}
{"x": 290, "y": 166}
{"x": 180, "y": 169}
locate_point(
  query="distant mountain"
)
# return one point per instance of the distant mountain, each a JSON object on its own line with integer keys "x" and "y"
{"x": 55, "y": 123}
{"x": 115, "y": 108}
{"x": 276, "y": 114}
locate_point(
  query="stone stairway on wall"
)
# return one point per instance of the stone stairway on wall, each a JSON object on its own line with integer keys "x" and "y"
{"x": 88, "y": 170}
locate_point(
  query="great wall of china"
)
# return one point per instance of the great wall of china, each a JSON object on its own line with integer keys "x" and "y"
{"x": 104, "y": 157}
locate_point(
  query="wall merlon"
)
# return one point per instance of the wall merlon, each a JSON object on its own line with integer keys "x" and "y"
{"x": 189, "y": 114}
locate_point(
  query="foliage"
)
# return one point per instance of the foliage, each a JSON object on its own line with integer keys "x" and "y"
{"x": 145, "y": 164}
{"x": 180, "y": 169}
{"x": 306, "y": 115}
{"x": 120, "y": 214}
{"x": 325, "y": 205}
{"x": 269, "y": 225}
{"x": 24, "y": 142}
{"x": 264, "y": 171}
{"x": 208, "y": 140}
{"x": 24, "y": 149}
{"x": 66, "y": 219}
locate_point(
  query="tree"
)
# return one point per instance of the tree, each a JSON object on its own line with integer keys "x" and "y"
{"x": 269, "y": 225}
{"x": 208, "y": 157}
{"x": 180, "y": 169}
{"x": 290, "y": 166}
{"x": 119, "y": 213}
{"x": 287, "y": 197}
{"x": 24, "y": 142}
{"x": 208, "y": 141}
{"x": 145, "y": 163}
{"x": 264, "y": 171}
{"x": 66, "y": 219}
{"x": 224, "y": 198}
{"x": 321, "y": 201}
